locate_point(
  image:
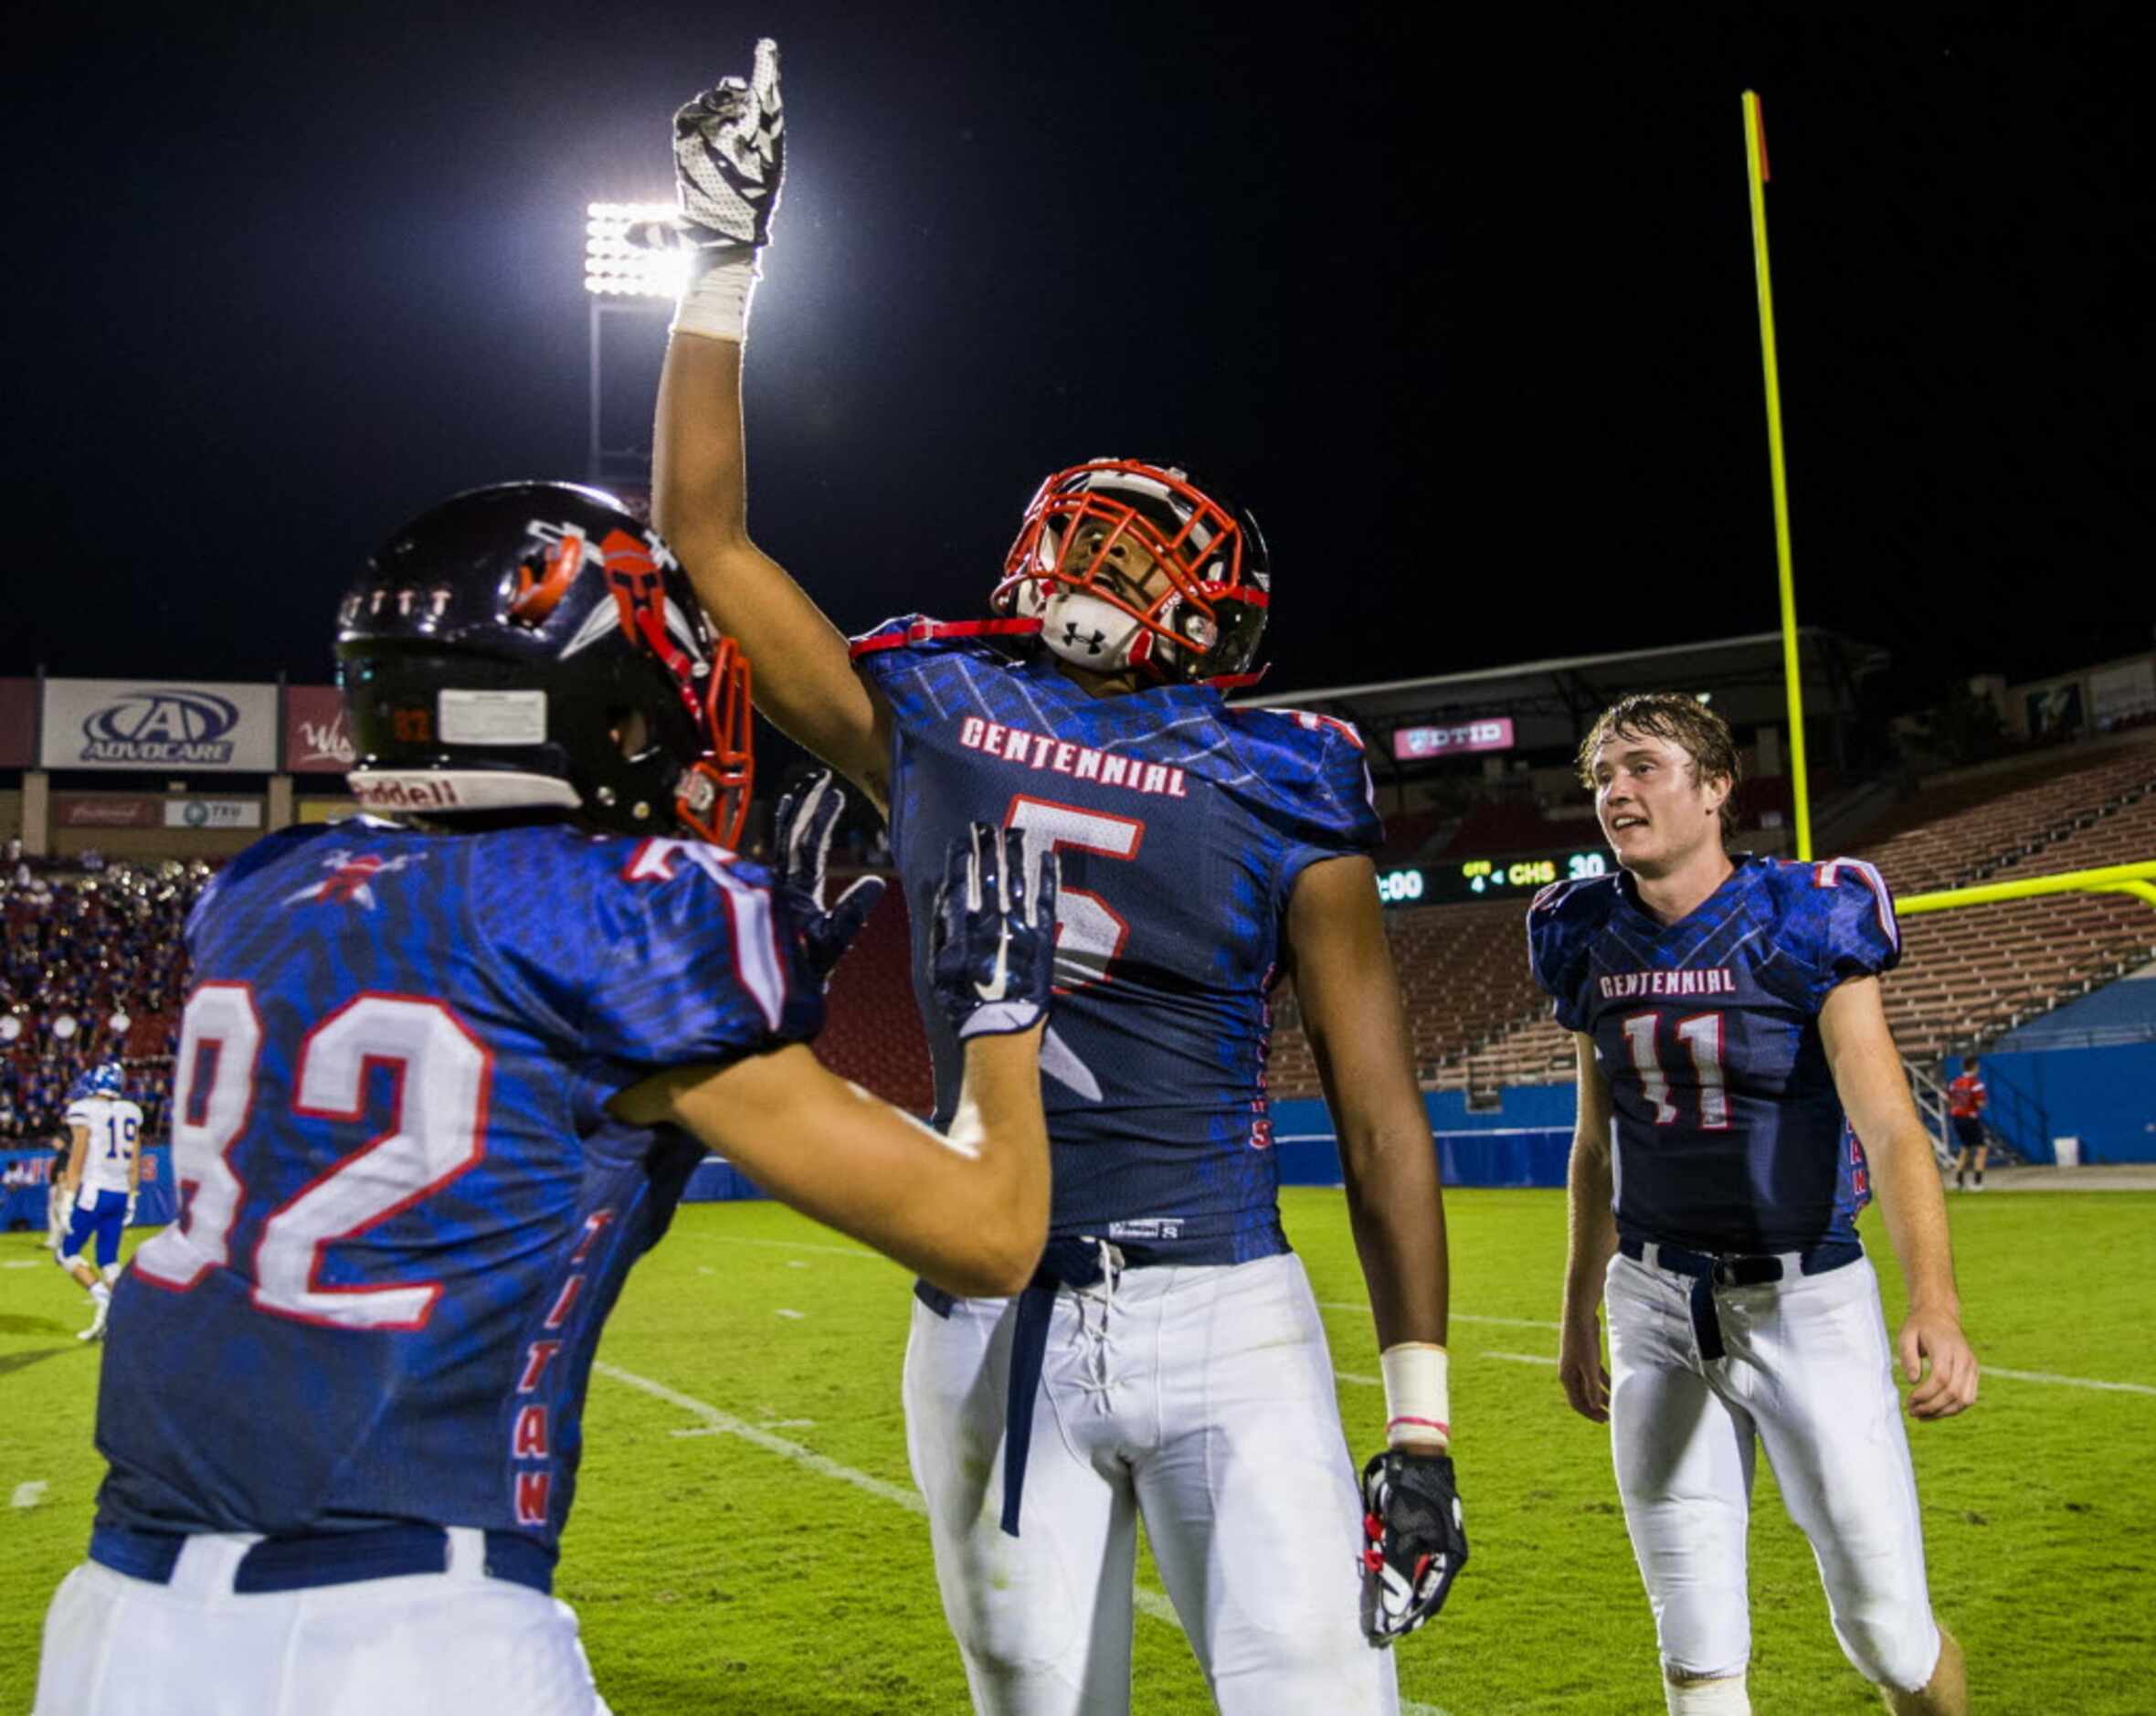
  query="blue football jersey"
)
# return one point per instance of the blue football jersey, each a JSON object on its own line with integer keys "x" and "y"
{"x": 407, "y": 1213}
{"x": 1182, "y": 827}
{"x": 1728, "y": 1133}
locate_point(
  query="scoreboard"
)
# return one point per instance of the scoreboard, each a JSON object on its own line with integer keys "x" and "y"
{"x": 1458, "y": 881}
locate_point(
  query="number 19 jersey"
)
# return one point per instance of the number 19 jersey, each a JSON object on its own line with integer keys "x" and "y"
{"x": 406, "y": 1212}
{"x": 1182, "y": 827}
{"x": 113, "y": 1125}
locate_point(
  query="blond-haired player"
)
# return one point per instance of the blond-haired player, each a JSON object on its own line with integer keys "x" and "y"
{"x": 1740, "y": 1099}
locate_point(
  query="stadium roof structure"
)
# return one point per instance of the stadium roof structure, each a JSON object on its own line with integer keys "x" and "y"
{"x": 1553, "y": 703}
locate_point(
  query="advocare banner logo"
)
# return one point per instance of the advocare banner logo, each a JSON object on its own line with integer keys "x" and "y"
{"x": 163, "y": 727}
{"x": 106, "y": 724}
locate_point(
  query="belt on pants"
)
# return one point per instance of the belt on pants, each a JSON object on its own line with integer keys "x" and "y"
{"x": 330, "y": 1558}
{"x": 1710, "y": 1270}
{"x": 1069, "y": 1261}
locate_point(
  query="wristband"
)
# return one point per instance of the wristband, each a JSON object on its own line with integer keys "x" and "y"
{"x": 1418, "y": 1402}
{"x": 714, "y": 302}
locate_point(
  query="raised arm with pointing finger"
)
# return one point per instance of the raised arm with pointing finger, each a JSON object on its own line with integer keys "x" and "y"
{"x": 729, "y": 159}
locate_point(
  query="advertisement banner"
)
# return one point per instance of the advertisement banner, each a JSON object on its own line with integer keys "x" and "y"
{"x": 102, "y": 810}
{"x": 18, "y": 723}
{"x": 2120, "y": 693}
{"x": 1413, "y": 744}
{"x": 213, "y": 813}
{"x": 316, "y": 740}
{"x": 159, "y": 724}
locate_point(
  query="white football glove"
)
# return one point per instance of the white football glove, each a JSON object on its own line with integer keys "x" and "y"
{"x": 729, "y": 156}
{"x": 729, "y": 160}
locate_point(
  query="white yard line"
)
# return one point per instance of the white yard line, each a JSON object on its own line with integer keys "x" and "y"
{"x": 30, "y": 1494}
{"x": 795, "y": 1315}
{"x": 717, "y": 1422}
{"x": 796, "y": 1244}
{"x": 1458, "y": 1317}
{"x": 1360, "y": 1381}
{"x": 18, "y": 1263}
{"x": 728, "y": 1424}
{"x": 2063, "y": 1382}
{"x": 2051, "y": 1377}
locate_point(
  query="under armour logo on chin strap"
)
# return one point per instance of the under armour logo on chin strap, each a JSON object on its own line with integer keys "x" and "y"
{"x": 1094, "y": 644}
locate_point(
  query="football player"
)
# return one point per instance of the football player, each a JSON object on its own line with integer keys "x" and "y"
{"x": 1965, "y": 1107}
{"x": 1167, "y": 1362}
{"x": 1740, "y": 1099}
{"x": 103, "y": 1177}
{"x": 441, "y": 1080}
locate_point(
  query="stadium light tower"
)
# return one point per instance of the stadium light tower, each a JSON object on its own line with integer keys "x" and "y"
{"x": 621, "y": 278}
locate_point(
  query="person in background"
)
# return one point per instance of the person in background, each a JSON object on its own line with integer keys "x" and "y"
{"x": 1966, "y": 1097}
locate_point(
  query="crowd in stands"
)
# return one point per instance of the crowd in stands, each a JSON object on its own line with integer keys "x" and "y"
{"x": 90, "y": 969}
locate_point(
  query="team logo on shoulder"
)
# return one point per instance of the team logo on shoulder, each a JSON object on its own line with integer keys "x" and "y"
{"x": 350, "y": 878}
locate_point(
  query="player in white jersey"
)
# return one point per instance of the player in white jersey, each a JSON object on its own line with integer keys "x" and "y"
{"x": 103, "y": 1177}
{"x": 1740, "y": 1097}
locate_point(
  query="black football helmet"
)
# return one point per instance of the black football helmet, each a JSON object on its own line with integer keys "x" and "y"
{"x": 532, "y": 645}
{"x": 1204, "y": 625}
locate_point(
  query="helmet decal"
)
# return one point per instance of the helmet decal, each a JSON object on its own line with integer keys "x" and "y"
{"x": 538, "y": 595}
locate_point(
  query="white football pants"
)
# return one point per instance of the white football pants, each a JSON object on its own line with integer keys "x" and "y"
{"x": 1808, "y": 1373}
{"x": 1199, "y": 1399}
{"x": 447, "y": 1644}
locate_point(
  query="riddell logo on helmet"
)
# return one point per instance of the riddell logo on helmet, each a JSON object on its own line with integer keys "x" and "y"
{"x": 404, "y": 792}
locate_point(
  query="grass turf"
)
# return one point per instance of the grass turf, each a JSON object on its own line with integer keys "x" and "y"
{"x": 712, "y": 1572}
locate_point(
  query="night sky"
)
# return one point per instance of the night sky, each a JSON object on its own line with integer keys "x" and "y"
{"x": 1462, "y": 309}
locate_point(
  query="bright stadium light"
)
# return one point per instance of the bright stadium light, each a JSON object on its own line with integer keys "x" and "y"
{"x": 615, "y": 266}
{"x": 629, "y": 288}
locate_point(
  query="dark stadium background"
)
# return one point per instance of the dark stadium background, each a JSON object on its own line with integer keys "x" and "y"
{"x": 1463, "y": 308}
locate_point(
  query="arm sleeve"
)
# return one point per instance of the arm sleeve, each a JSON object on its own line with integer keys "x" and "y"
{"x": 687, "y": 957}
{"x": 1337, "y": 816}
{"x": 1856, "y": 932}
{"x": 1549, "y": 955}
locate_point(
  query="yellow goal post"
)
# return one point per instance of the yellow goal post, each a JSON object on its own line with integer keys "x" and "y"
{"x": 2137, "y": 879}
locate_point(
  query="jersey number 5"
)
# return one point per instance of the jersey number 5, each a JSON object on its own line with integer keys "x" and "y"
{"x": 441, "y": 1077}
{"x": 1701, "y": 1037}
{"x": 1089, "y": 932}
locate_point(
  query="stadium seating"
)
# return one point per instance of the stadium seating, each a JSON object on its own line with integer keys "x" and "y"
{"x": 872, "y": 1032}
{"x": 85, "y": 943}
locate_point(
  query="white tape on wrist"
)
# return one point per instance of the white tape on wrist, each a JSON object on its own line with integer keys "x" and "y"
{"x": 1418, "y": 1399}
{"x": 714, "y": 304}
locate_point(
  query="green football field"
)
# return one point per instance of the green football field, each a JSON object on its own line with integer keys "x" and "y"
{"x": 745, "y": 1538}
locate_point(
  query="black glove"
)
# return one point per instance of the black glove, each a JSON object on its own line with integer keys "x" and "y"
{"x": 802, "y": 837}
{"x": 1416, "y": 1540}
{"x": 993, "y": 957}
